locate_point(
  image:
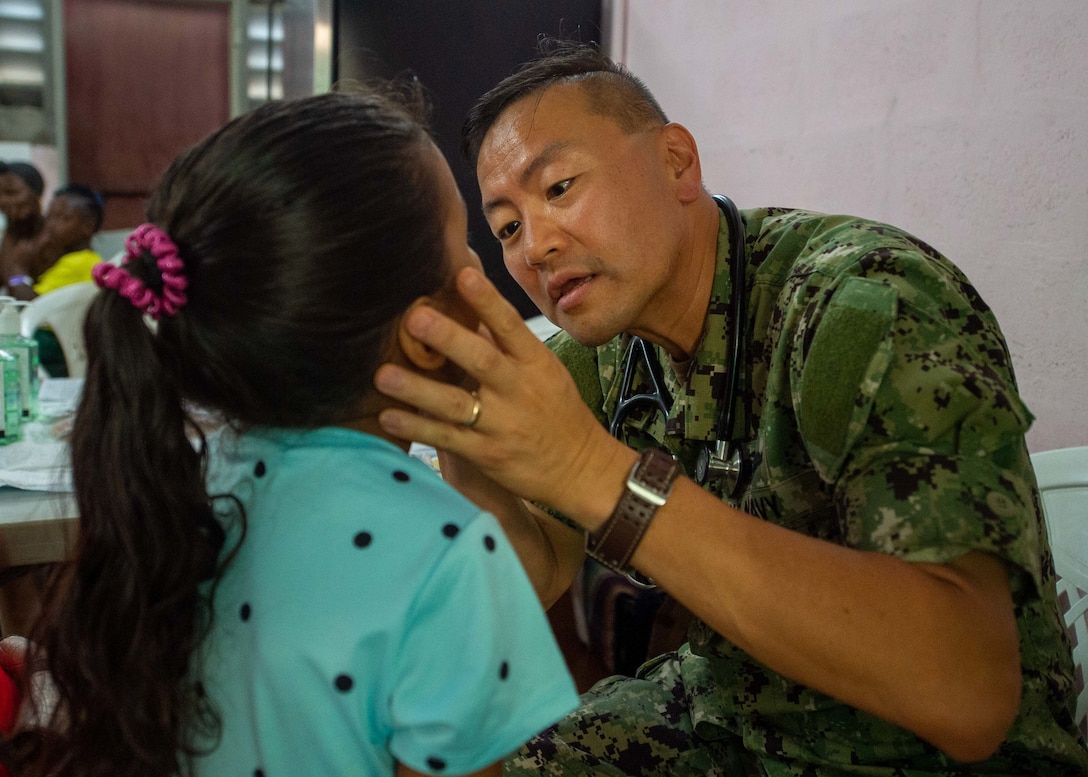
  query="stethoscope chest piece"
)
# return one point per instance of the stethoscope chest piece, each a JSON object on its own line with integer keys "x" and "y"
{"x": 722, "y": 463}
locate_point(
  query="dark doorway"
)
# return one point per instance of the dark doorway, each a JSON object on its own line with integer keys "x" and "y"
{"x": 458, "y": 50}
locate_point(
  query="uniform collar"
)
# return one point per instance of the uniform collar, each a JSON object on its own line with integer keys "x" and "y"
{"x": 698, "y": 393}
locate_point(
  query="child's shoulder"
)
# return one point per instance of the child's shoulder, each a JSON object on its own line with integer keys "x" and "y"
{"x": 338, "y": 473}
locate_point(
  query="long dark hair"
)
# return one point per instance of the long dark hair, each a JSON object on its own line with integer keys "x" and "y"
{"x": 305, "y": 227}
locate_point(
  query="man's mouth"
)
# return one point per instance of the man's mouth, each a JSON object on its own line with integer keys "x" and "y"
{"x": 558, "y": 291}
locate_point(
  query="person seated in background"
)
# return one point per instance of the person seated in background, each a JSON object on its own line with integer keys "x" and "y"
{"x": 65, "y": 255}
{"x": 72, "y": 220}
{"x": 296, "y": 594}
{"x": 21, "y": 188}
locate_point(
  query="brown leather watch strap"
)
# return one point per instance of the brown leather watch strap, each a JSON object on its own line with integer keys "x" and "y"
{"x": 648, "y": 487}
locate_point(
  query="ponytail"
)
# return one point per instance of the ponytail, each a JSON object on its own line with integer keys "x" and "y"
{"x": 121, "y": 623}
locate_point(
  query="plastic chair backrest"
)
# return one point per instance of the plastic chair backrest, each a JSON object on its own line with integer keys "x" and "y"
{"x": 1063, "y": 485}
{"x": 63, "y": 311}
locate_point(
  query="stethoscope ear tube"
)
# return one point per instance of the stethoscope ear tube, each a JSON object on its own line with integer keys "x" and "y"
{"x": 723, "y": 461}
{"x": 638, "y": 351}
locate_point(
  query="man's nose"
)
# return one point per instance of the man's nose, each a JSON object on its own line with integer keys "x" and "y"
{"x": 541, "y": 239}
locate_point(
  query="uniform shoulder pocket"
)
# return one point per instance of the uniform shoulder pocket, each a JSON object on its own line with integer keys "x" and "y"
{"x": 836, "y": 378}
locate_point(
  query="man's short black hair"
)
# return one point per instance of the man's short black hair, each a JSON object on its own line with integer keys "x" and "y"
{"x": 611, "y": 90}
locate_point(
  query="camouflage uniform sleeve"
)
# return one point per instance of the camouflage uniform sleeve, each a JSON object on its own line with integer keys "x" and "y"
{"x": 908, "y": 406}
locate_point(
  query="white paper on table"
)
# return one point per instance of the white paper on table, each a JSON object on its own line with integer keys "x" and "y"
{"x": 37, "y": 462}
{"x": 59, "y": 396}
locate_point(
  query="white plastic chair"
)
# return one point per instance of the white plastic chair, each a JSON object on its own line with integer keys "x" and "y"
{"x": 1063, "y": 485}
{"x": 63, "y": 311}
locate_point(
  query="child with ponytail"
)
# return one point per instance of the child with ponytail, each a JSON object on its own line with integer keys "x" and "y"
{"x": 292, "y": 593}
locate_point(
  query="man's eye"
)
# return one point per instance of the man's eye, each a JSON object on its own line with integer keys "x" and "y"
{"x": 558, "y": 189}
{"x": 509, "y": 229}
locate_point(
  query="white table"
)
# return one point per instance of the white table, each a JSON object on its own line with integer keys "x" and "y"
{"x": 36, "y": 527}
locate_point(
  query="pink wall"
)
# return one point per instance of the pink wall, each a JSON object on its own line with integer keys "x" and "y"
{"x": 965, "y": 123}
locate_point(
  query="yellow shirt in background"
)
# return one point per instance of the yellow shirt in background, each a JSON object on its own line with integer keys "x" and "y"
{"x": 70, "y": 268}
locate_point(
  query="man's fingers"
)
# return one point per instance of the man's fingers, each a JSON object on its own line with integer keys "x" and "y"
{"x": 495, "y": 311}
{"x": 443, "y": 401}
{"x": 495, "y": 358}
{"x": 439, "y": 434}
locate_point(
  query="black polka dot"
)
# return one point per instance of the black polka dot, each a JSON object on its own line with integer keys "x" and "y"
{"x": 401, "y": 477}
{"x": 504, "y": 670}
{"x": 343, "y": 683}
{"x": 437, "y": 764}
{"x": 245, "y": 611}
{"x": 258, "y": 773}
{"x": 489, "y": 543}
{"x": 362, "y": 539}
{"x": 451, "y": 530}
{"x": 260, "y": 469}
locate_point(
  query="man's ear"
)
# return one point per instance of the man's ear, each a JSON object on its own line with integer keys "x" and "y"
{"x": 418, "y": 353}
{"x": 682, "y": 157}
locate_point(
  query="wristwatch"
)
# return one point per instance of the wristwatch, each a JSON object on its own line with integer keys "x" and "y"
{"x": 648, "y": 488}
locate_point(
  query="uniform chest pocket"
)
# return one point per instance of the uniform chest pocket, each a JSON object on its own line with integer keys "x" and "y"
{"x": 800, "y": 501}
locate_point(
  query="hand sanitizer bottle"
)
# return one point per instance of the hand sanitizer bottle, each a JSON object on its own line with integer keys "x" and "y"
{"x": 11, "y": 421}
{"x": 34, "y": 361}
{"x": 25, "y": 350}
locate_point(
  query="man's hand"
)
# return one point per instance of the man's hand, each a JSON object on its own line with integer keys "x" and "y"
{"x": 534, "y": 435}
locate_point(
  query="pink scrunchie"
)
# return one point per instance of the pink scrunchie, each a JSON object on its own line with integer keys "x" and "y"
{"x": 147, "y": 238}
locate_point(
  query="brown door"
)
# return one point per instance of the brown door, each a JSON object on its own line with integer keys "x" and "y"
{"x": 145, "y": 79}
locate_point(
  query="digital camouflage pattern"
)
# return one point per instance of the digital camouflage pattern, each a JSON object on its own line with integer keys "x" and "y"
{"x": 881, "y": 409}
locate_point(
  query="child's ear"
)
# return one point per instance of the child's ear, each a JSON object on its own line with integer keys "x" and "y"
{"x": 418, "y": 353}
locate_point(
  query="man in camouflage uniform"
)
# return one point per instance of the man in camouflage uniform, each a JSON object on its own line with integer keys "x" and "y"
{"x": 879, "y": 599}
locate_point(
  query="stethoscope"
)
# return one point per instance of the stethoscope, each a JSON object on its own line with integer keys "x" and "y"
{"x": 722, "y": 461}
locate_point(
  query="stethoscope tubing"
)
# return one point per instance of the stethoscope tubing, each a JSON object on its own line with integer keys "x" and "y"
{"x": 639, "y": 350}
{"x": 739, "y": 304}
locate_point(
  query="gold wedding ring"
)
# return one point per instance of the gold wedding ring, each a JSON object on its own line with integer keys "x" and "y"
{"x": 471, "y": 422}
